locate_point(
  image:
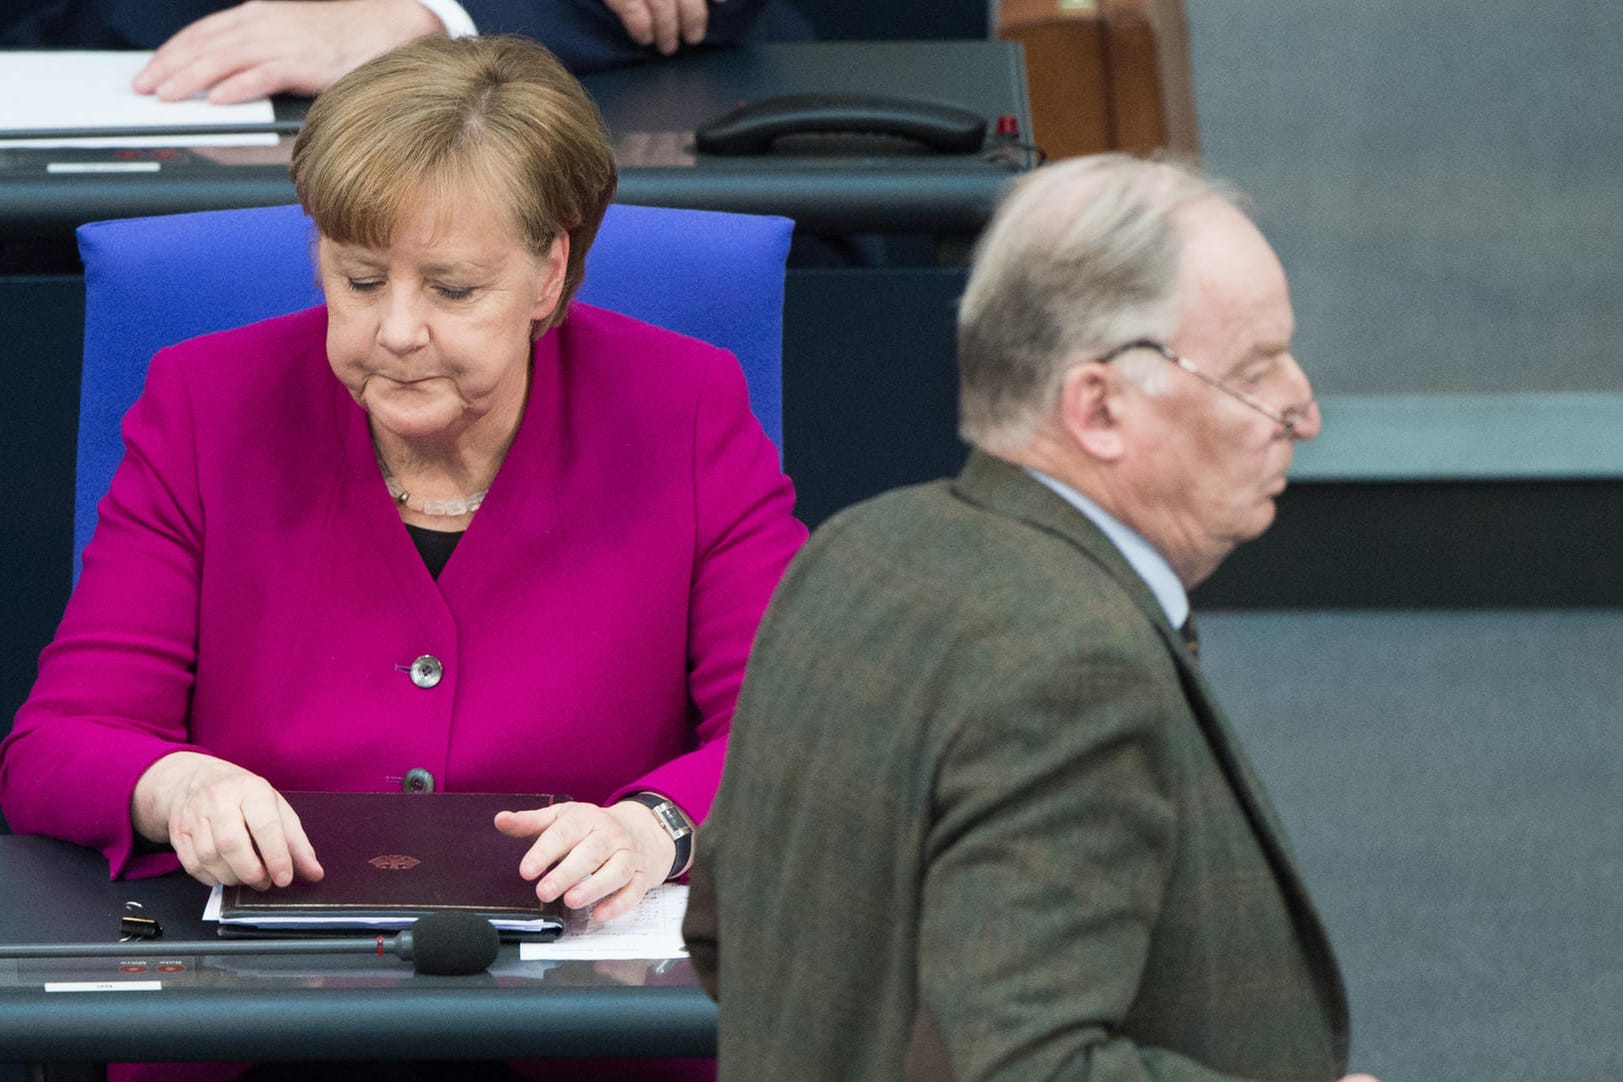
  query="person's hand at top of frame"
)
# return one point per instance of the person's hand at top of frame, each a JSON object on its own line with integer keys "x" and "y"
{"x": 267, "y": 47}
{"x": 590, "y": 855}
{"x": 664, "y": 24}
{"x": 226, "y": 824}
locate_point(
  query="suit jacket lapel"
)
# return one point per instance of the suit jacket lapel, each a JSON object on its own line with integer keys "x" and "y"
{"x": 364, "y": 500}
{"x": 1007, "y": 489}
{"x": 525, "y": 494}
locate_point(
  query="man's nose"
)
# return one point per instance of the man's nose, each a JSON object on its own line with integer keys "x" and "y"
{"x": 1304, "y": 408}
{"x": 1308, "y": 420}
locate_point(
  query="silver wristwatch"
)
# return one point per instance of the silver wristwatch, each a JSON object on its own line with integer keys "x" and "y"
{"x": 675, "y": 823}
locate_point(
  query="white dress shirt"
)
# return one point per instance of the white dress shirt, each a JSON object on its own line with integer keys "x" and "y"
{"x": 1151, "y": 566}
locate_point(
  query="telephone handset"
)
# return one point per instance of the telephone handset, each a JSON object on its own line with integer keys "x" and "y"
{"x": 753, "y": 128}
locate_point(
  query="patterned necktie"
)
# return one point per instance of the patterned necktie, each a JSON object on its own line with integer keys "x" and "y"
{"x": 1191, "y": 637}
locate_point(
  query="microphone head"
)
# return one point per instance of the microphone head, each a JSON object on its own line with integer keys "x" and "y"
{"x": 453, "y": 944}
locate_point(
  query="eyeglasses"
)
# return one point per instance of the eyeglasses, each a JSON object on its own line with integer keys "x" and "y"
{"x": 1289, "y": 419}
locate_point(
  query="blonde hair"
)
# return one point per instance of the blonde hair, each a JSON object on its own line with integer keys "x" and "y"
{"x": 496, "y": 118}
{"x": 1081, "y": 256}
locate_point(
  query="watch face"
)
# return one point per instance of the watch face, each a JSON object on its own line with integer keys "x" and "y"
{"x": 672, "y": 818}
{"x": 675, "y": 823}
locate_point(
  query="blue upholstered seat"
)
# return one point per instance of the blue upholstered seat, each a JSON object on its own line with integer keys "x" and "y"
{"x": 151, "y": 282}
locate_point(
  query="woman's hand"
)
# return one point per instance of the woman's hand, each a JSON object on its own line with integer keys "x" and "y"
{"x": 590, "y": 854}
{"x": 226, "y": 825}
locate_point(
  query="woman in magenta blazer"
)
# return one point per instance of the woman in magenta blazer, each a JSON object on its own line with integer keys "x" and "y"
{"x": 442, "y": 532}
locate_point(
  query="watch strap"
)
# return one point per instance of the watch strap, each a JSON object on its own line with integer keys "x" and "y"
{"x": 676, "y": 824}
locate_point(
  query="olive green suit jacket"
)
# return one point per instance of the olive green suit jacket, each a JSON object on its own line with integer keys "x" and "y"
{"x": 981, "y": 819}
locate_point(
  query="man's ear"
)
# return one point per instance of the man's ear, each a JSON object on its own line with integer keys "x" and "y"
{"x": 1089, "y": 409}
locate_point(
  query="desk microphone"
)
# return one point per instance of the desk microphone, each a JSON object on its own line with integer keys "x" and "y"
{"x": 445, "y": 944}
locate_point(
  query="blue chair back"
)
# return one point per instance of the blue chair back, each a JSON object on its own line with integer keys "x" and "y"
{"x": 152, "y": 282}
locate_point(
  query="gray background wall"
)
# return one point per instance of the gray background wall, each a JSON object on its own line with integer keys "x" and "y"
{"x": 1442, "y": 180}
{"x": 1453, "y": 785}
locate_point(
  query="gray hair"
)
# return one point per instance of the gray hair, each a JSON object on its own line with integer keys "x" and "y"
{"x": 1081, "y": 256}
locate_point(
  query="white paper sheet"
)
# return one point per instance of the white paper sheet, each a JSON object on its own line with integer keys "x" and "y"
{"x": 48, "y": 91}
{"x": 652, "y": 930}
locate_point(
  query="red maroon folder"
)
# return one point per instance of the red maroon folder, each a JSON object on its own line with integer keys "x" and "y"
{"x": 393, "y": 857}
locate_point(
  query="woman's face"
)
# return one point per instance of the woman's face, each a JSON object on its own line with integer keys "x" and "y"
{"x": 431, "y": 335}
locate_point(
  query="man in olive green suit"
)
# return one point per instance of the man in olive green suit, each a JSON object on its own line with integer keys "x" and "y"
{"x": 981, "y": 817}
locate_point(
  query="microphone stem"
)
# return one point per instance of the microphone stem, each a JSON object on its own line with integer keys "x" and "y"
{"x": 379, "y": 945}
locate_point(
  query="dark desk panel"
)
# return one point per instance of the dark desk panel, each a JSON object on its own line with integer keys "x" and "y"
{"x": 41, "y": 326}
{"x": 651, "y": 112}
{"x": 245, "y": 1007}
{"x": 1462, "y": 544}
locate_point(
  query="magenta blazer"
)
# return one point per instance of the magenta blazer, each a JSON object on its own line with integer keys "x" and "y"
{"x": 250, "y": 591}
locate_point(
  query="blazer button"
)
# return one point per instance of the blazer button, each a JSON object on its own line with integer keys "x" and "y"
{"x": 417, "y": 780}
{"x": 426, "y": 671}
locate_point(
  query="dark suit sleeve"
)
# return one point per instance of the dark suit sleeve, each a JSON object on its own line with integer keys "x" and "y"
{"x": 588, "y": 37}
{"x": 1048, "y": 858}
{"x": 104, "y": 24}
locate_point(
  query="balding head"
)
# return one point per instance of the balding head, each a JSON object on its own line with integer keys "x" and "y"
{"x": 1081, "y": 256}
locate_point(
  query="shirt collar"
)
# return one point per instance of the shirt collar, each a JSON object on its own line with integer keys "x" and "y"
{"x": 1151, "y": 566}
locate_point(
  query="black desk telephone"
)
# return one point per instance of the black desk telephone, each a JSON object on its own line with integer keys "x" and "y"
{"x": 754, "y": 128}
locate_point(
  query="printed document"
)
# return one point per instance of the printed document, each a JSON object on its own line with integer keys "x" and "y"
{"x": 65, "y": 91}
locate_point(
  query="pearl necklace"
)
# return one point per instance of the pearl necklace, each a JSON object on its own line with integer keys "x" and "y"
{"x": 437, "y": 508}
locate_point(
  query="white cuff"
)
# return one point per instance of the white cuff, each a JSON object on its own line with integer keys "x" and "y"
{"x": 458, "y": 24}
